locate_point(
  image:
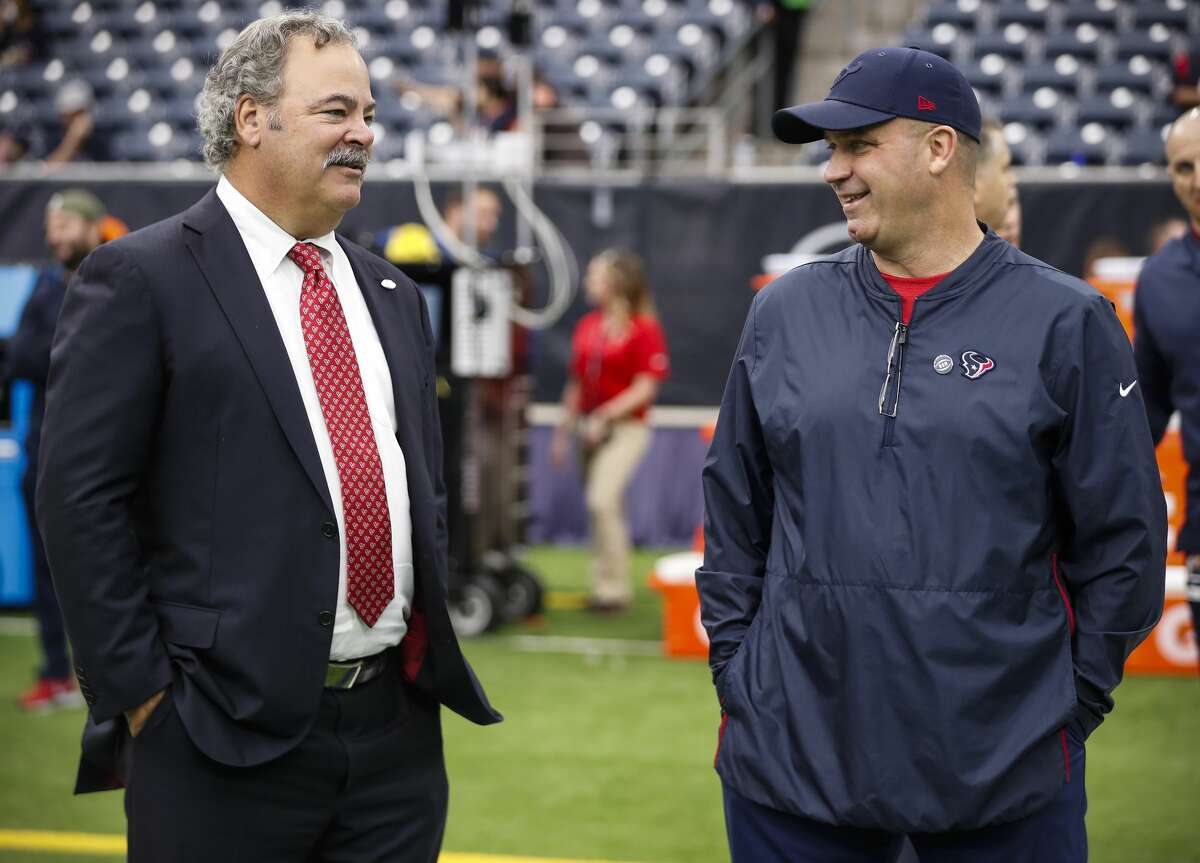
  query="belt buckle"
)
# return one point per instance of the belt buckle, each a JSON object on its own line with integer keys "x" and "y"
{"x": 349, "y": 677}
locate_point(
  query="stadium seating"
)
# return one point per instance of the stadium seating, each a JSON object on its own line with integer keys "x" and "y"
{"x": 1046, "y": 68}
{"x": 145, "y": 59}
{"x": 1079, "y": 81}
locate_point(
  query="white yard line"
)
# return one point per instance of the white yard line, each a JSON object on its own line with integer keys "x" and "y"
{"x": 584, "y": 646}
{"x": 20, "y": 626}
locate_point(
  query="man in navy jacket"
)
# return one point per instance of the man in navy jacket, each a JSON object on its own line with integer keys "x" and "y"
{"x": 934, "y": 525}
{"x": 1166, "y": 340}
{"x": 73, "y": 229}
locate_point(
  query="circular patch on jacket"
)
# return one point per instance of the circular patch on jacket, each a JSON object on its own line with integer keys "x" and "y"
{"x": 943, "y": 365}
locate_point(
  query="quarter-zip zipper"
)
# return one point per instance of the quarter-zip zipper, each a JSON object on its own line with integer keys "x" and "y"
{"x": 889, "y": 393}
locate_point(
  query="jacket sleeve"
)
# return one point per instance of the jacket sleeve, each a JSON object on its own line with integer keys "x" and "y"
{"x": 1112, "y": 514}
{"x": 432, "y": 429}
{"x": 1153, "y": 369}
{"x": 29, "y": 347}
{"x": 739, "y": 499}
{"x": 102, "y": 405}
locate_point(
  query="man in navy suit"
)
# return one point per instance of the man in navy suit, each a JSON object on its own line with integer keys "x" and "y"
{"x": 242, "y": 500}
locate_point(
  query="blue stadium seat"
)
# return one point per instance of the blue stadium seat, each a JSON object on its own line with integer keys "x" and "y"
{"x": 1109, "y": 77}
{"x": 132, "y": 147}
{"x": 998, "y": 43}
{"x": 122, "y": 21}
{"x": 990, "y": 77}
{"x": 1020, "y": 12}
{"x": 1141, "y": 44}
{"x": 1027, "y": 145}
{"x": 951, "y": 12}
{"x": 28, "y": 81}
{"x": 1057, "y": 76}
{"x": 1162, "y": 113}
{"x": 923, "y": 39}
{"x": 1143, "y": 146}
{"x": 179, "y": 111}
{"x": 599, "y": 46}
{"x": 1042, "y": 109}
{"x": 670, "y": 75}
{"x": 1069, "y": 145}
{"x": 182, "y": 23}
{"x": 1076, "y": 12}
{"x": 1147, "y": 13}
{"x": 1070, "y": 45}
{"x": 1109, "y": 110}
{"x": 58, "y": 23}
{"x": 399, "y": 49}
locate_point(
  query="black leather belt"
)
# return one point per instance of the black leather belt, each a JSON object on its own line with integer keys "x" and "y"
{"x": 355, "y": 672}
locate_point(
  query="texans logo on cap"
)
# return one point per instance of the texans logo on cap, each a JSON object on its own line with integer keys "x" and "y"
{"x": 849, "y": 70}
{"x": 976, "y": 365}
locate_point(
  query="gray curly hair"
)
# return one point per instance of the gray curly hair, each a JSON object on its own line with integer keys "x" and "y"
{"x": 253, "y": 66}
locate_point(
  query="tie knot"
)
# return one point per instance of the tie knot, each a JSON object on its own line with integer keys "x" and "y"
{"x": 307, "y": 257}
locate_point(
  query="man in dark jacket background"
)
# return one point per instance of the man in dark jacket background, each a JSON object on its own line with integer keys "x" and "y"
{"x": 934, "y": 524}
{"x": 73, "y": 229}
{"x": 1166, "y": 311}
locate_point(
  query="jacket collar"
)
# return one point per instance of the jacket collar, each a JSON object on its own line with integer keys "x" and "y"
{"x": 965, "y": 277}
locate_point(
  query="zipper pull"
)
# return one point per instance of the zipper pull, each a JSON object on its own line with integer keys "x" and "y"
{"x": 901, "y": 333}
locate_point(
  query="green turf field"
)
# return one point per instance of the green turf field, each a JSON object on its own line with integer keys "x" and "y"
{"x": 609, "y": 756}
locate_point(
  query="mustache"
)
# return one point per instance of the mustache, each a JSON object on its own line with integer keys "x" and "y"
{"x": 349, "y": 157}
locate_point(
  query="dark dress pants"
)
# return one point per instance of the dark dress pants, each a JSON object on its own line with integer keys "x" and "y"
{"x": 367, "y": 785}
{"x": 1054, "y": 834}
{"x": 51, "y": 633}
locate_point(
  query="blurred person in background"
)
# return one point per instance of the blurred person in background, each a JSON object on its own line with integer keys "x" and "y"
{"x": 487, "y": 209}
{"x": 241, "y": 494}
{"x": 1166, "y": 340}
{"x": 784, "y": 20}
{"x": 1163, "y": 232}
{"x": 934, "y": 527}
{"x": 1099, "y": 249}
{"x": 496, "y": 105}
{"x": 996, "y": 184}
{"x": 20, "y": 36}
{"x": 1185, "y": 73}
{"x": 14, "y": 144}
{"x": 73, "y": 229}
{"x": 413, "y": 243}
{"x": 618, "y": 361}
{"x": 1011, "y": 230}
{"x": 79, "y": 141}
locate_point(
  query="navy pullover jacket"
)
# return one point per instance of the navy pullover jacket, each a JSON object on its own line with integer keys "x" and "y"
{"x": 1166, "y": 343}
{"x": 929, "y": 549}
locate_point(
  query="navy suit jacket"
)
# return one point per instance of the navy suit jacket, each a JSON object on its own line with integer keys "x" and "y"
{"x": 183, "y": 505}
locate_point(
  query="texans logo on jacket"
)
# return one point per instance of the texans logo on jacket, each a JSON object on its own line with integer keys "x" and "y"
{"x": 975, "y": 365}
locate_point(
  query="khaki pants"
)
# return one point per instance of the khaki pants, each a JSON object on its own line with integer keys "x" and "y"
{"x": 607, "y": 471}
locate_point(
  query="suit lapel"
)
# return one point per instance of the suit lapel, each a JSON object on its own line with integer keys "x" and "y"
{"x": 221, "y": 255}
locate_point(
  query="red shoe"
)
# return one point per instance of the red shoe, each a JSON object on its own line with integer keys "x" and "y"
{"x": 51, "y": 694}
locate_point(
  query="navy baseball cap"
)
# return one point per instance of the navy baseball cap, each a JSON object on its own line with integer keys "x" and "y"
{"x": 882, "y": 84}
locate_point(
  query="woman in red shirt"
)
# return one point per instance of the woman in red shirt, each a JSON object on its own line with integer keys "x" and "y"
{"x": 618, "y": 360}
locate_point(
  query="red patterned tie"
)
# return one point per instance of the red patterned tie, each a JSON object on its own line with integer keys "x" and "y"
{"x": 370, "y": 583}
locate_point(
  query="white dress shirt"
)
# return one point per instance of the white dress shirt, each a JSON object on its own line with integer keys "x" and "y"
{"x": 268, "y": 246}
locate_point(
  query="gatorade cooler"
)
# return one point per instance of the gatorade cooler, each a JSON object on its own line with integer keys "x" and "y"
{"x": 674, "y": 577}
{"x": 1171, "y": 647}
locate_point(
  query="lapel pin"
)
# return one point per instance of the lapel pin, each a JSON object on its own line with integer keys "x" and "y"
{"x": 389, "y": 284}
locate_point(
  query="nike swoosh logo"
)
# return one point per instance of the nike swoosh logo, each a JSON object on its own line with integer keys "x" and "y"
{"x": 1126, "y": 390}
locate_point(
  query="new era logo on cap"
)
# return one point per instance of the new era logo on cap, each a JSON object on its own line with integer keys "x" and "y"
{"x": 924, "y": 104}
